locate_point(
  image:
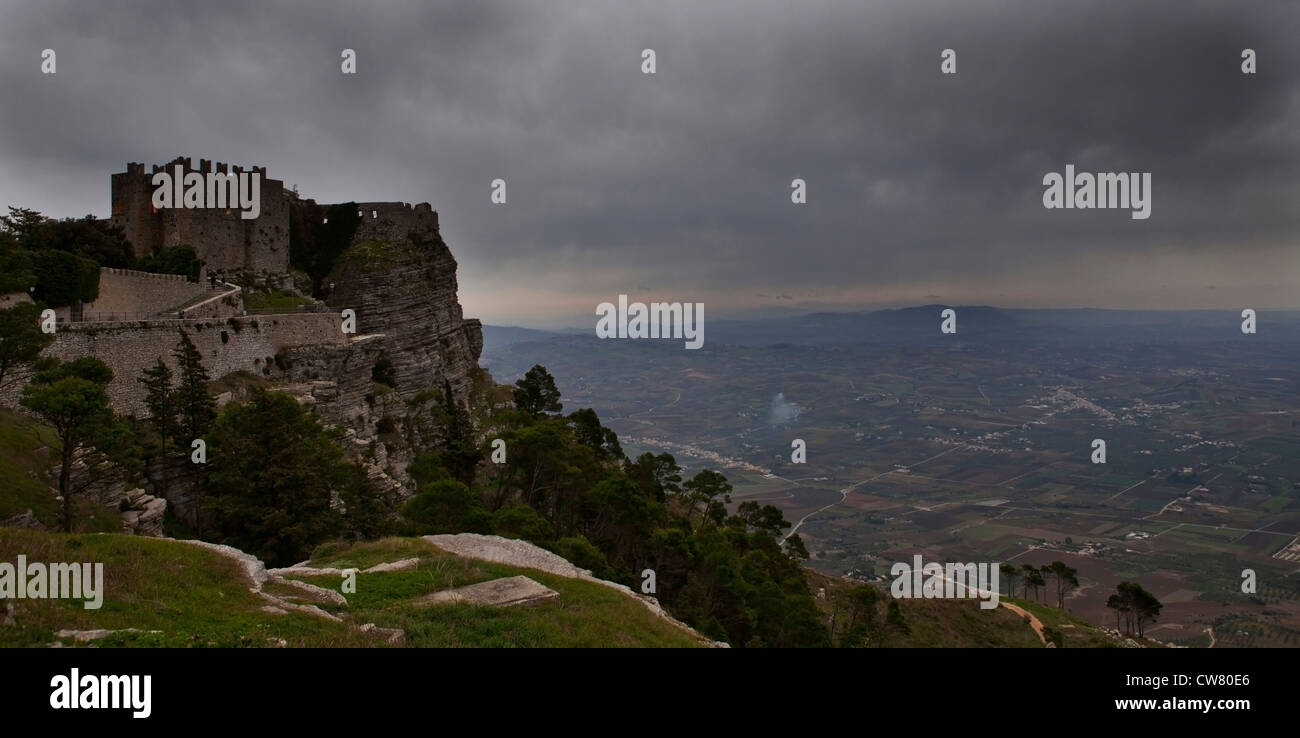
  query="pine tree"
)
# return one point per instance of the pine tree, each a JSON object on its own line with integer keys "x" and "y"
{"x": 536, "y": 393}
{"x": 460, "y": 454}
{"x": 193, "y": 403}
{"x": 160, "y": 399}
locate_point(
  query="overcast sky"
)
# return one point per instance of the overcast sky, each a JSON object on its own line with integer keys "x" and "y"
{"x": 922, "y": 187}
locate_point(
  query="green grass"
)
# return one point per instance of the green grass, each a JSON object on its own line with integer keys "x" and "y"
{"x": 22, "y": 482}
{"x": 370, "y": 256}
{"x": 198, "y": 598}
{"x": 25, "y": 478}
{"x": 942, "y": 623}
{"x": 1081, "y": 634}
{"x": 586, "y": 614}
{"x": 195, "y": 597}
{"x": 273, "y": 301}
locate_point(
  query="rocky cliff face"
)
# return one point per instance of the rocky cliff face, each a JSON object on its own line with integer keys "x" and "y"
{"x": 400, "y": 279}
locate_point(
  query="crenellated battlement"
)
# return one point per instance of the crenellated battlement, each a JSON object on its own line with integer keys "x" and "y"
{"x": 221, "y": 238}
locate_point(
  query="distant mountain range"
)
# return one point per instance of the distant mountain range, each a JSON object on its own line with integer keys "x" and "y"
{"x": 920, "y": 325}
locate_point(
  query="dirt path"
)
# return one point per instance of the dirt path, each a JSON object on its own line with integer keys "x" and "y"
{"x": 1034, "y": 622}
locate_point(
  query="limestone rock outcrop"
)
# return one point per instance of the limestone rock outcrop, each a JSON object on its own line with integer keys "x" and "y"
{"x": 400, "y": 278}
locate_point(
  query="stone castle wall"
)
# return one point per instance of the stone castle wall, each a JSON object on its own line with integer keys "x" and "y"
{"x": 220, "y": 237}
{"x": 231, "y": 345}
{"x": 394, "y": 221}
{"x": 130, "y": 294}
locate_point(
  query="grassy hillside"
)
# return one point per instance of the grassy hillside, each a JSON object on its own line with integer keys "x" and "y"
{"x": 941, "y": 623}
{"x": 28, "y": 452}
{"x": 22, "y": 481}
{"x": 197, "y": 597}
{"x": 1077, "y": 633}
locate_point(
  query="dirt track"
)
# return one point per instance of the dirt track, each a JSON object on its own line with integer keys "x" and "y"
{"x": 1034, "y": 622}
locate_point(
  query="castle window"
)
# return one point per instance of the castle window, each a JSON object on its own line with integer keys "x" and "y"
{"x": 374, "y": 213}
{"x": 326, "y": 220}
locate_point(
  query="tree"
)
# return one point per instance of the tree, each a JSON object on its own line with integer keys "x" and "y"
{"x": 1121, "y": 606}
{"x": 21, "y": 338}
{"x": 1009, "y": 573}
{"x": 536, "y": 393}
{"x": 863, "y": 624}
{"x": 1138, "y": 607}
{"x": 795, "y": 548}
{"x": 97, "y": 241}
{"x": 63, "y": 278}
{"x": 193, "y": 403}
{"x": 70, "y": 398}
{"x": 160, "y": 399}
{"x": 659, "y": 476}
{"x": 17, "y": 272}
{"x": 21, "y": 224}
{"x": 279, "y": 483}
{"x": 767, "y": 518}
{"x": 589, "y": 432}
{"x": 702, "y": 492}
{"x": 460, "y": 454}
{"x": 1033, "y": 580}
{"x": 179, "y": 259}
{"x": 1066, "y": 579}
{"x": 446, "y": 506}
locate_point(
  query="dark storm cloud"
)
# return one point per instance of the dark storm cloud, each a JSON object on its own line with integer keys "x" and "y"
{"x": 678, "y": 184}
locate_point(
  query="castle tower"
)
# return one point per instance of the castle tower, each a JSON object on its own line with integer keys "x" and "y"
{"x": 222, "y": 239}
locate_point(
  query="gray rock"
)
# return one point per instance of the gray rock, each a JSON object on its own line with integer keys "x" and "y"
{"x": 317, "y": 593}
{"x": 84, "y": 636}
{"x": 403, "y": 565}
{"x": 504, "y": 592}
{"x": 395, "y": 636}
{"x": 23, "y": 520}
{"x": 522, "y": 553}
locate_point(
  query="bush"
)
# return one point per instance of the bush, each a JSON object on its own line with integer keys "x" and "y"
{"x": 179, "y": 259}
{"x": 583, "y": 553}
{"x": 521, "y": 521}
{"x": 446, "y": 506}
{"x": 384, "y": 373}
{"x": 272, "y": 477}
{"x": 63, "y": 278}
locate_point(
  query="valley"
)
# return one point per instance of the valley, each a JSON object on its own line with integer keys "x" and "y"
{"x": 979, "y": 448}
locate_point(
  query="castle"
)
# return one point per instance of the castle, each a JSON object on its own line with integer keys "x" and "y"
{"x": 397, "y": 277}
{"x": 221, "y": 239}
{"x": 406, "y": 306}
